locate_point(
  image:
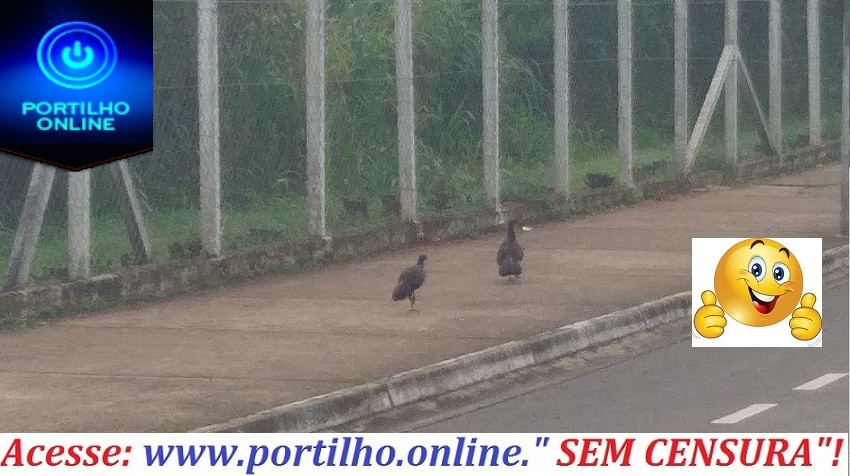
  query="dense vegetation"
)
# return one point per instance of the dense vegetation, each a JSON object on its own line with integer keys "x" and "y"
{"x": 263, "y": 96}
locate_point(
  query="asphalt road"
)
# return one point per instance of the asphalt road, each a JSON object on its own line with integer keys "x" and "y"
{"x": 678, "y": 388}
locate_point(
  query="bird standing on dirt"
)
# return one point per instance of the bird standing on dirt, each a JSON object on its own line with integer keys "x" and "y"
{"x": 409, "y": 281}
{"x": 510, "y": 254}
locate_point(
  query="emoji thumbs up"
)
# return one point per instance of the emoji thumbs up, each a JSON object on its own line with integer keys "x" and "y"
{"x": 708, "y": 298}
{"x": 709, "y": 319}
{"x": 806, "y": 322}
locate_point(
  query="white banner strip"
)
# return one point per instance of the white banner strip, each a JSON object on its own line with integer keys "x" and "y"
{"x": 486, "y": 454}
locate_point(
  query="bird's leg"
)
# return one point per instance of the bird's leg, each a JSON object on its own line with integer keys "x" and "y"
{"x": 413, "y": 301}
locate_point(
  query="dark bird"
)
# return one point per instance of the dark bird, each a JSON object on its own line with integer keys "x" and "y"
{"x": 594, "y": 180}
{"x": 510, "y": 254}
{"x": 409, "y": 281}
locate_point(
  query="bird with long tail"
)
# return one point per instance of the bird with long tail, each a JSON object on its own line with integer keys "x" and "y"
{"x": 510, "y": 254}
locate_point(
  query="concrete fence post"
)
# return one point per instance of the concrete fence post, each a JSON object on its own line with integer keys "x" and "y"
{"x": 680, "y": 81}
{"x": 845, "y": 123}
{"x": 562, "y": 96}
{"x": 29, "y": 226}
{"x": 730, "y": 122}
{"x": 79, "y": 225}
{"x": 813, "y": 37}
{"x": 490, "y": 93}
{"x": 405, "y": 108}
{"x": 775, "y": 73}
{"x": 209, "y": 150}
{"x": 625, "y": 48}
{"x": 316, "y": 204}
{"x": 131, "y": 210}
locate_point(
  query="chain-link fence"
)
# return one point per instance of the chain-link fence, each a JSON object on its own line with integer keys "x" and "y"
{"x": 264, "y": 87}
{"x": 262, "y": 102}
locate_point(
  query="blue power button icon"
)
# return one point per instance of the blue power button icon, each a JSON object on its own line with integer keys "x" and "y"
{"x": 77, "y": 55}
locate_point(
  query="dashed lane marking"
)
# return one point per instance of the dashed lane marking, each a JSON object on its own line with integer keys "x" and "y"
{"x": 820, "y": 382}
{"x": 740, "y": 415}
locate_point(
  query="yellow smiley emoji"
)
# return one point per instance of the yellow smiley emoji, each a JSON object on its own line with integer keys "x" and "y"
{"x": 758, "y": 283}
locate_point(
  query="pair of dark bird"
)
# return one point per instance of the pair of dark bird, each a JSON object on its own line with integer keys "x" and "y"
{"x": 508, "y": 257}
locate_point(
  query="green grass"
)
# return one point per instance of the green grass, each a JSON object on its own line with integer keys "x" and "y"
{"x": 265, "y": 220}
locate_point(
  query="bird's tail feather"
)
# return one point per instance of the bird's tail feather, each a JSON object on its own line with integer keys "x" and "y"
{"x": 510, "y": 267}
{"x": 401, "y": 291}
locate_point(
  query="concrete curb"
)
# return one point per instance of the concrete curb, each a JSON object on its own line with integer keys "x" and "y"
{"x": 836, "y": 261}
{"x": 327, "y": 411}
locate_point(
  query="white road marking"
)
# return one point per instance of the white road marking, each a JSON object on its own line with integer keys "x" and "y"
{"x": 820, "y": 382}
{"x": 744, "y": 414}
